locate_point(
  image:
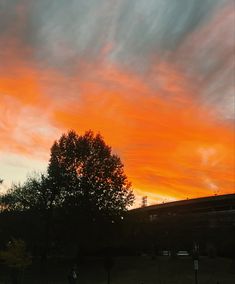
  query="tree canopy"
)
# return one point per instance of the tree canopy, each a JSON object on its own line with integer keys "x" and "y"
{"x": 87, "y": 174}
{"x": 82, "y": 173}
{"x": 33, "y": 194}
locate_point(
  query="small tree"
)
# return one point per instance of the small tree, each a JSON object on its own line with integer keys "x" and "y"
{"x": 35, "y": 195}
{"x": 16, "y": 257}
{"x": 32, "y": 194}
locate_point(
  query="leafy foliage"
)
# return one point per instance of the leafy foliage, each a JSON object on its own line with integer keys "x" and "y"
{"x": 82, "y": 173}
{"x": 87, "y": 174}
{"x": 33, "y": 194}
{"x": 83, "y": 190}
{"x": 15, "y": 255}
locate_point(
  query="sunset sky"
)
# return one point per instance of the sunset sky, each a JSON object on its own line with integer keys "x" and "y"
{"x": 154, "y": 77}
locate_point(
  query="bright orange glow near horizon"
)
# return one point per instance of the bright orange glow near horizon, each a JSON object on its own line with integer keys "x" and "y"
{"x": 171, "y": 148}
{"x": 173, "y": 144}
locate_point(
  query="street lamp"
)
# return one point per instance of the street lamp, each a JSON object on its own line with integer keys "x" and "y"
{"x": 195, "y": 261}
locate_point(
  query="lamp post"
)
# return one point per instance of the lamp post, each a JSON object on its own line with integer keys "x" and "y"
{"x": 195, "y": 261}
{"x": 196, "y": 270}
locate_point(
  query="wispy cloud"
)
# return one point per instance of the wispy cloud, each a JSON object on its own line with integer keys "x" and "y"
{"x": 154, "y": 77}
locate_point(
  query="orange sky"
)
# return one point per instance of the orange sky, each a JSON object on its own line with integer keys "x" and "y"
{"x": 172, "y": 147}
{"x": 172, "y": 143}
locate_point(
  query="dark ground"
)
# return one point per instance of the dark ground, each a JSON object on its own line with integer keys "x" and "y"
{"x": 135, "y": 270}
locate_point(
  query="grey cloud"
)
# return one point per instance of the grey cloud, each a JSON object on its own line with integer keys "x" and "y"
{"x": 60, "y": 33}
{"x": 8, "y": 14}
{"x": 208, "y": 56}
{"x": 61, "y": 29}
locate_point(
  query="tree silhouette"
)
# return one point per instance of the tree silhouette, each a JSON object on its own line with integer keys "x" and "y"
{"x": 82, "y": 172}
{"x": 30, "y": 195}
{"x": 84, "y": 182}
{"x": 87, "y": 175}
{"x": 17, "y": 258}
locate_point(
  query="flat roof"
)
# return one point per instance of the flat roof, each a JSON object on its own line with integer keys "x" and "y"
{"x": 183, "y": 202}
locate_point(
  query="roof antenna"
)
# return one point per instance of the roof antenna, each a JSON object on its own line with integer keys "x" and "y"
{"x": 144, "y": 201}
